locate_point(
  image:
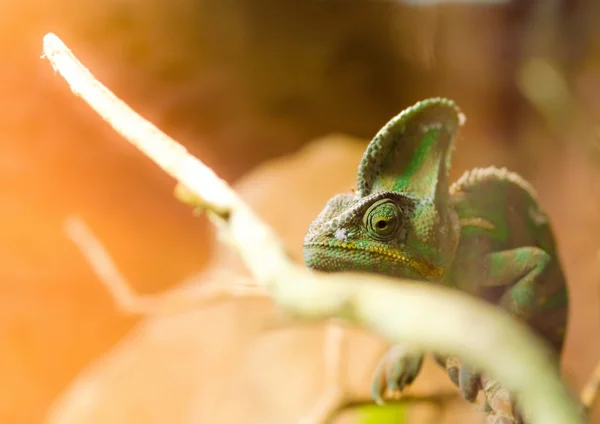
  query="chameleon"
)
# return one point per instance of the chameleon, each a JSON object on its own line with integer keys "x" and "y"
{"x": 485, "y": 234}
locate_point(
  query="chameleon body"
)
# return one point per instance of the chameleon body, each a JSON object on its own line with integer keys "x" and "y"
{"x": 485, "y": 234}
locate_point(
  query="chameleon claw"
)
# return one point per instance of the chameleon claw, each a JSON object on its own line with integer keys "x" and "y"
{"x": 403, "y": 197}
{"x": 377, "y": 386}
{"x": 469, "y": 383}
{"x": 396, "y": 370}
{"x": 453, "y": 367}
{"x": 495, "y": 418}
{"x": 504, "y": 409}
{"x": 379, "y": 400}
{"x": 392, "y": 373}
{"x": 465, "y": 377}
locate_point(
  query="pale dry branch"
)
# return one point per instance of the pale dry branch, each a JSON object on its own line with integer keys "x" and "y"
{"x": 590, "y": 390}
{"x": 128, "y": 301}
{"x": 334, "y": 396}
{"x": 426, "y": 316}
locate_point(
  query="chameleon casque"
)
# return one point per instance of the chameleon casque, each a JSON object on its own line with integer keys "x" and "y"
{"x": 485, "y": 234}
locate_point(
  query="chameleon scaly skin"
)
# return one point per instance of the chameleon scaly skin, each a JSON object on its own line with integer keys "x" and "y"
{"x": 485, "y": 234}
{"x": 400, "y": 222}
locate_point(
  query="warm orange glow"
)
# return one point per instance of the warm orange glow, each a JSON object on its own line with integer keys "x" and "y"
{"x": 238, "y": 87}
{"x": 171, "y": 156}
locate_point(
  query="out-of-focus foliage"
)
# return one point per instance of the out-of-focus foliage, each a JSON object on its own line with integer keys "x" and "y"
{"x": 374, "y": 414}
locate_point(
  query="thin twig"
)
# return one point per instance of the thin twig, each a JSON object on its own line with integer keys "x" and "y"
{"x": 589, "y": 392}
{"x": 333, "y": 397}
{"x": 127, "y": 300}
{"x": 132, "y": 303}
{"x": 431, "y": 317}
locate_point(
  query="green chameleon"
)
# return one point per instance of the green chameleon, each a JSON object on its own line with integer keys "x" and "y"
{"x": 485, "y": 234}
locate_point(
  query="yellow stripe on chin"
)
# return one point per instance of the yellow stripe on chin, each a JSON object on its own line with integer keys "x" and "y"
{"x": 476, "y": 222}
{"x": 424, "y": 268}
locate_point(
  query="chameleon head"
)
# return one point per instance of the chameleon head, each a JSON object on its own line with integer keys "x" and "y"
{"x": 400, "y": 222}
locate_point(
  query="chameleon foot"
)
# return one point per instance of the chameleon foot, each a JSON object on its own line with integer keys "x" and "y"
{"x": 465, "y": 377}
{"x": 502, "y": 404}
{"x": 396, "y": 370}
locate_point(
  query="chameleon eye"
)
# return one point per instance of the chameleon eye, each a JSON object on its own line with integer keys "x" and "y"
{"x": 383, "y": 219}
{"x": 381, "y": 224}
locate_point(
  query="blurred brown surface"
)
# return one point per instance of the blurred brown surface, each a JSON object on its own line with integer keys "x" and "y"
{"x": 197, "y": 74}
{"x": 230, "y": 360}
{"x": 226, "y": 362}
{"x": 240, "y": 82}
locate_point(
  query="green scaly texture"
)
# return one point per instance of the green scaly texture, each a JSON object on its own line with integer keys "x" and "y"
{"x": 485, "y": 234}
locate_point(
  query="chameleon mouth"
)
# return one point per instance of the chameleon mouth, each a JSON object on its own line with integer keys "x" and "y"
{"x": 424, "y": 268}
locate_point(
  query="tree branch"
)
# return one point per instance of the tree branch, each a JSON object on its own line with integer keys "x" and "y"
{"x": 433, "y": 318}
{"x": 128, "y": 301}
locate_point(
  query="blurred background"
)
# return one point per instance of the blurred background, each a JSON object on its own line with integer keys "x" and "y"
{"x": 242, "y": 83}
